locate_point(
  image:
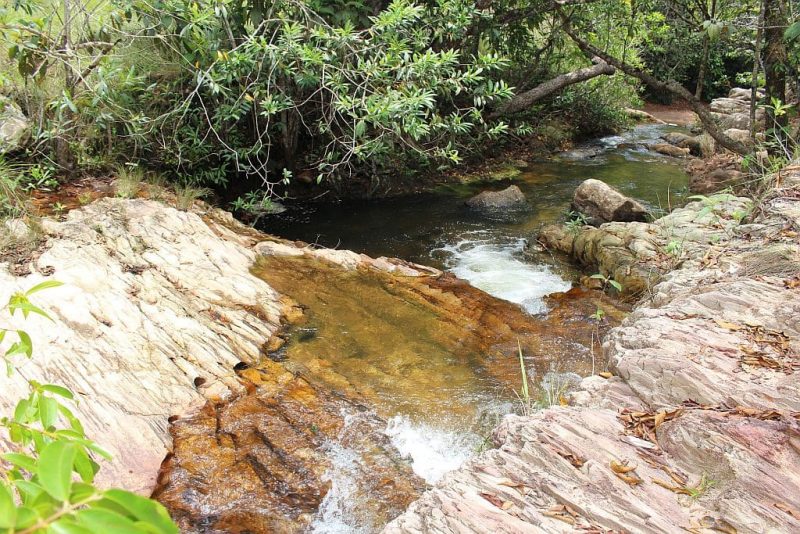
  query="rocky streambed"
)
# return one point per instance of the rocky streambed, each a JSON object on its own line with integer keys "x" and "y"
{"x": 288, "y": 387}
{"x": 255, "y": 384}
{"x": 697, "y": 430}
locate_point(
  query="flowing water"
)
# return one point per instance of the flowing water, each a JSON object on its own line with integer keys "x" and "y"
{"x": 438, "y": 409}
{"x": 432, "y": 359}
{"x": 438, "y": 230}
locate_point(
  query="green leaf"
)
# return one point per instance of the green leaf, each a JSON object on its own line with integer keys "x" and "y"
{"x": 616, "y": 285}
{"x": 26, "y": 517}
{"x": 58, "y": 390}
{"x": 8, "y": 509}
{"x": 82, "y": 492}
{"x": 22, "y": 412}
{"x": 42, "y": 286}
{"x": 48, "y": 411}
{"x": 23, "y": 346}
{"x": 143, "y": 509}
{"x": 26, "y": 308}
{"x": 792, "y": 32}
{"x": 85, "y": 467}
{"x": 68, "y": 526}
{"x": 598, "y": 277}
{"x": 55, "y": 468}
{"x": 29, "y": 491}
{"x": 99, "y": 520}
{"x": 22, "y": 461}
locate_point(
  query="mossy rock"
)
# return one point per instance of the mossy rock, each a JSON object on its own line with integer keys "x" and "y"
{"x": 499, "y": 173}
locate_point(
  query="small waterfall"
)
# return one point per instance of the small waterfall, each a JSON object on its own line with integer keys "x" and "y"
{"x": 433, "y": 451}
{"x": 493, "y": 264}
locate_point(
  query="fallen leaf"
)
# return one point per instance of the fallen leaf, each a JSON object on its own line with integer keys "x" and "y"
{"x": 728, "y": 326}
{"x": 632, "y": 480}
{"x": 659, "y": 419}
{"x": 519, "y": 486}
{"x": 605, "y": 374}
{"x": 623, "y": 467}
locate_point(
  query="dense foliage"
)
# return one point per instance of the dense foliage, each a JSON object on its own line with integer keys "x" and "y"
{"x": 223, "y": 93}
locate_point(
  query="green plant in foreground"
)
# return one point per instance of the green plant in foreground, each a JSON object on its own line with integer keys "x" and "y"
{"x": 607, "y": 281}
{"x": 46, "y": 479}
{"x": 575, "y": 221}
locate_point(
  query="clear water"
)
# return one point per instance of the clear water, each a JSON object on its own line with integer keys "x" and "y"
{"x": 439, "y": 404}
{"x": 439, "y": 230}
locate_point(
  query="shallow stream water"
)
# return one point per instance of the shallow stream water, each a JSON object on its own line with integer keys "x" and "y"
{"x": 439, "y": 230}
{"x": 431, "y": 362}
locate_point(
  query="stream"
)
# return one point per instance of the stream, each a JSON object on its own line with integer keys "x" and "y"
{"x": 439, "y": 231}
{"x": 386, "y": 383}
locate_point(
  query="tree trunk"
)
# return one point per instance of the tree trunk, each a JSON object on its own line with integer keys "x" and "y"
{"x": 775, "y": 65}
{"x": 64, "y": 156}
{"x": 701, "y": 74}
{"x": 525, "y": 100}
{"x": 754, "y": 75}
{"x": 709, "y": 123}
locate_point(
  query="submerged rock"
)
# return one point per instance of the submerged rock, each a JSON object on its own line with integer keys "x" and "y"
{"x": 510, "y": 198}
{"x": 601, "y": 203}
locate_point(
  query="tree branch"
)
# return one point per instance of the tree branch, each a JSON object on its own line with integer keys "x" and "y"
{"x": 525, "y": 100}
{"x": 709, "y": 123}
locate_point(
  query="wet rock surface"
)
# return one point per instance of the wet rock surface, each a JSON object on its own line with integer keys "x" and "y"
{"x": 601, "y": 203}
{"x": 277, "y": 363}
{"x": 510, "y": 198}
{"x": 696, "y": 430}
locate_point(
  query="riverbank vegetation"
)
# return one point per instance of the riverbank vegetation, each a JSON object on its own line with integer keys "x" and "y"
{"x": 239, "y": 96}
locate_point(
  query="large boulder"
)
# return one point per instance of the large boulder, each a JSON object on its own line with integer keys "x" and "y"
{"x": 670, "y": 150}
{"x": 509, "y": 198}
{"x": 743, "y": 93}
{"x": 15, "y": 128}
{"x": 600, "y": 203}
{"x": 682, "y": 140}
{"x": 729, "y": 105}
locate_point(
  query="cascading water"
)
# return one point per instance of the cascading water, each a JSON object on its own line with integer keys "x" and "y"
{"x": 413, "y": 369}
{"x": 495, "y": 264}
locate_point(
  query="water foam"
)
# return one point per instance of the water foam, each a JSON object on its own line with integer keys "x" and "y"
{"x": 336, "y": 514}
{"x": 493, "y": 264}
{"x": 433, "y": 451}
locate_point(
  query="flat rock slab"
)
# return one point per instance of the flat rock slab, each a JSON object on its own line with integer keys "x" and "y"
{"x": 572, "y": 469}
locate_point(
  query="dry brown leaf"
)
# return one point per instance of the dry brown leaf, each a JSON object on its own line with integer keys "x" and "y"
{"x": 605, "y": 374}
{"x": 632, "y": 480}
{"x": 728, "y": 326}
{"x": 519, "y": 486}
{"x": 676, "y": 489}
{"x": 623, "y": 467}
{"x": 659, "y": 419}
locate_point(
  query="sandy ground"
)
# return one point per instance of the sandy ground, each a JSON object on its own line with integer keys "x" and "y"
{"x": 677, "y": 113}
